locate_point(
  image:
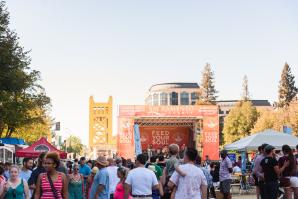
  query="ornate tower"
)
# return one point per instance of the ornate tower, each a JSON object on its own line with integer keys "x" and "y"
{"x": 101, "y": 139}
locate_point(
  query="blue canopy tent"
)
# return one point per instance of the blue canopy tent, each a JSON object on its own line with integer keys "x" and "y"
{"x": 12, "y": 141}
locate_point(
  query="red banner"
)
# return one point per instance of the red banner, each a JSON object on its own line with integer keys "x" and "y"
{"x": 211, "y": 137}
{"x": 159, "y": 136}
{"x": 168, "y": 111}
{"x": 125, "y": 138}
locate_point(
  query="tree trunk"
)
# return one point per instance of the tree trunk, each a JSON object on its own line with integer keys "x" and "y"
{"x": 11, "y": 130}
{"x": 1, "y": 128}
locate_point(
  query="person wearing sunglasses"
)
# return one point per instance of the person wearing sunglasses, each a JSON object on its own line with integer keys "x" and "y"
{"x": 15, "y": 187}
{"x": 75, "y": 184}
{"x": 52, "y": 184}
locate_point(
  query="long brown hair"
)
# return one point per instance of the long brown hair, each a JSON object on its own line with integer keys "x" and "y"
{"x": 286, "y": 149}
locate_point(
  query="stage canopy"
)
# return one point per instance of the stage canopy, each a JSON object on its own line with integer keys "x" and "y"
{"x": 38, "y": 147}
{"x": 269, "y": 136}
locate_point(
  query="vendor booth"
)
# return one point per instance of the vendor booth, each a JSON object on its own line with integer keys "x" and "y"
{"x": 269, "y": 136}
{"x": 38, "y": 147}
{"x": 6, "y": 154}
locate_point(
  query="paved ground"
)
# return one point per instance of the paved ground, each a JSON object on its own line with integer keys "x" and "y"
{"x": 244, "y": 196}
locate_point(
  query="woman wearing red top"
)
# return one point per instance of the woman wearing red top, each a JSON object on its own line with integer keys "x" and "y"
{"x": 52, "y": 184}
{"x": 119, "y": 192}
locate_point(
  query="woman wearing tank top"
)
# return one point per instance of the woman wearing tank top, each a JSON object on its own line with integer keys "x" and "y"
{"x": 75, "y": 184}
{"x": 52, "y": 184}
{"x": 15, "y": 187}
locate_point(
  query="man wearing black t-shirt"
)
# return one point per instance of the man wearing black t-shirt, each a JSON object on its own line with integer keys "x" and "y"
{"x": 271, "y": 172}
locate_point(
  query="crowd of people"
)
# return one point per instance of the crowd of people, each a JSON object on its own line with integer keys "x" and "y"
{"x": 149, "y": 177}
{"x": 274, "y": 169}
{"x": 153, "y": 177}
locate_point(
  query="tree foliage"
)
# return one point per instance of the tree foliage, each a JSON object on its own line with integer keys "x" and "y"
{"x": 20, "y": 92}
{"x": 239, "y": 122}
{"x": 73, "y": 145}
{"x": 287, "y": 89}
{"x": 276, "y": 119}
{"x": 33, "y": 132}
{"x": 207, "y": 94}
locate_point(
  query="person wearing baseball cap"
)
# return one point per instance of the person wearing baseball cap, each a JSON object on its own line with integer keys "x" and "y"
{"x": 100, "y": 186}
{"x": 271, "y": 172}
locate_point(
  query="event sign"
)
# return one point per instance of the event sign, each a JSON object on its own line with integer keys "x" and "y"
{"x": 167, "y": 111}
{"x": 159, "y": 136}
{"x": 126, "y": 138}
{"x": 211, "y": 137}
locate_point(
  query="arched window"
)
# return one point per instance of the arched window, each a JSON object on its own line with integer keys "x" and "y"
{"x": 155, "y": 99}
{"x": 164, "y": 99}
{"x": 174, "y": 98}
{"x": 184, "y": 98}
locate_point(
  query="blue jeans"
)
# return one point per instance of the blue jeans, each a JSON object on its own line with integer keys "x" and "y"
{"x": 155, "y": 194}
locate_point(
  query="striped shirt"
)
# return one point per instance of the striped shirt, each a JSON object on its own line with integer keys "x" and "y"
{"x": 47, "y": 192}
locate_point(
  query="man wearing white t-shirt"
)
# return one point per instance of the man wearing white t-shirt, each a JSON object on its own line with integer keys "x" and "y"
{"x": 113, "y": 178}
{"x": 140, "y": 181}
{"x": 194, "y": 184}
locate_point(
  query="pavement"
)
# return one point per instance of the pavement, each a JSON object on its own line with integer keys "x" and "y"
{"x": 244, "y": 196}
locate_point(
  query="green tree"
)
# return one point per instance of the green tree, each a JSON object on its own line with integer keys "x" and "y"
{"x": 287, "y": 89}
{"x": 20, "y": 93}
{"x": 33, "y": 132}
{"x": 268, "y": 119}
{"x": 239, "y": 122}
{"x": 207, "y": 94}
{"x": 245, "y": 91}
{"x": 73, "y": 145}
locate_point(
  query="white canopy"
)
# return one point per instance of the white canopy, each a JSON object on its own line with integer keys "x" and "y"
{"x": 269, "y": 136}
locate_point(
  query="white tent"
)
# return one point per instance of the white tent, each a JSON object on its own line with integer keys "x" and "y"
{"x": 269, "y": 136}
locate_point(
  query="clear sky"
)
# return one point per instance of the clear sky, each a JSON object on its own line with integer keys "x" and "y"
{"x": 121, "y": 48}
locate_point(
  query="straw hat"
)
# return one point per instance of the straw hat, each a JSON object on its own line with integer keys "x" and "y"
{"x": 102, "y": 161}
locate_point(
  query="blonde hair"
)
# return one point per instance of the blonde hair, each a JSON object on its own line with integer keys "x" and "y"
{"x": 14, "y": 167}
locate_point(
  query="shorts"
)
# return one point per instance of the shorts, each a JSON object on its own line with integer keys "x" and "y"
{"x": 215, "y": 184}
{"x": 225, "y": 186}
{"x": 294, "y": 181}
{"x": 256, "y": 180}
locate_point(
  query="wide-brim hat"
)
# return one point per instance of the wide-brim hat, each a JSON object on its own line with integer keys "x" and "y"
{"x": 102, "y": 161}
